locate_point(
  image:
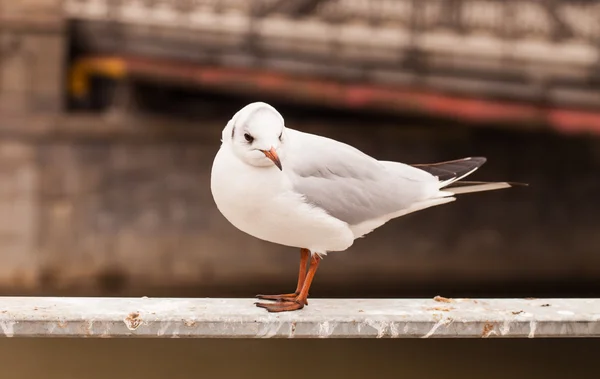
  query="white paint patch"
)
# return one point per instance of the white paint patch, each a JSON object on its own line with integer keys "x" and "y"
{"x": 270, "y": 329}
{"x": 8, "y": 328}
{"x": 326, "y": 329}
{"x": 436, "y": 326}
{"x": 505, "y": 328}
{"x": 566, "y": 313}
{"x": 380, "y": 326}
{"x": 52, "y": 328}
{"x": 163, "y": 329}
{"x": 107, "y": 327}
{"x": 532, "y": 326}
{"x": 176, "y": 331}
{"x": 90, "y": 327}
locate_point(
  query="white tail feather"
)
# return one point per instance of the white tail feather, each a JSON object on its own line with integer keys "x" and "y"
{"x": 424, "y": 205}
{"x": 478, "y": 188}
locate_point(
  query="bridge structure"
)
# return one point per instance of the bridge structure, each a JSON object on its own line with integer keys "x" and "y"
{"x": 484, "y": 60}
{"x": 525, "y": 62}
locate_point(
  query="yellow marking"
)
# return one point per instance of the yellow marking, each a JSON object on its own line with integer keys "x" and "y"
{"x": 79, "y": 77}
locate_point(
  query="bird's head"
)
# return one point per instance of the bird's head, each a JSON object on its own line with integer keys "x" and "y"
{"x": 256, "y": 134}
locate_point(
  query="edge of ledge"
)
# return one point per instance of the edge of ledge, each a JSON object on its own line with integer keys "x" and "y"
{"x": 323, "y": 318}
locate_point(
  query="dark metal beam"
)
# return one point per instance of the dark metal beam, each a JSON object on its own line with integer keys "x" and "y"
{"x": 291, "y": 8}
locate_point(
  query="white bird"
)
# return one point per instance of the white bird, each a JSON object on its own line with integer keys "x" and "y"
{"x": 317, "y": 194}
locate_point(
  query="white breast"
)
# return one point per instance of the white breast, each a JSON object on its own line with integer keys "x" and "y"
{"x": 259, "y": 201}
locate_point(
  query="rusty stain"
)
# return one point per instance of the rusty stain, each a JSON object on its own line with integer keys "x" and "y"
{"x": 442, "y": 309}
{"x": 468, "y": 299}
{"x": 488, "y": 329}
{"x": 133, "y": 320}
{"x": 531, "y": 298}
{"x": 189, "y": 323}
{"x": 441, "y": 299}
{"x": 61, "y": 324}
{"x": 517, "y": 312}
{"x": 360, "y": 311}
{"x": 293, "y": 331}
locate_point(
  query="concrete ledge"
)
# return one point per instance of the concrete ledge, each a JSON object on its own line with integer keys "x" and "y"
{"x": 345, "y": 318}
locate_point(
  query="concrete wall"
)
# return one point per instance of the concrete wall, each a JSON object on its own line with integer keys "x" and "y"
{"x": 32, "y": 50}
{"x": 122, "y": 206}
{"x": 91, "y": 206}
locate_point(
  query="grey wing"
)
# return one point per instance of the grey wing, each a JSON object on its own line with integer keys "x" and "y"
{"x": 349, "y": 184}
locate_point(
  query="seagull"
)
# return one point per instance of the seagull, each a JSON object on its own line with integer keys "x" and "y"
{"x": 317, "y": 194}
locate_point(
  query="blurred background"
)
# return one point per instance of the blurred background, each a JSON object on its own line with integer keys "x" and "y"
{"x": 111, "y": 113}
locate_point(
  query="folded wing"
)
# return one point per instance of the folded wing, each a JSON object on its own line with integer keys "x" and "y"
{"x": 349, "y": 184}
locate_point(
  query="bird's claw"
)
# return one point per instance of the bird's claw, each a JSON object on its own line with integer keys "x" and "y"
{"x": 284, "y": 306}
{"x": 288, "y": 297}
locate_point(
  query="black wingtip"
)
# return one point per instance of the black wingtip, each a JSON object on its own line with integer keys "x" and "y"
{"x": 516, "y": 184}
{"x": 478, "y": 160}
{"x": 457, "y": 168}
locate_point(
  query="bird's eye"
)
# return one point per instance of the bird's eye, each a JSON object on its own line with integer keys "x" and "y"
{"x": 248, "y": 137}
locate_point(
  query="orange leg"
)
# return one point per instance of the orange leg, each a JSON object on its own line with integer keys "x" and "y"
{"x": 304, "y": 255}
{"x": 299, "y": 301}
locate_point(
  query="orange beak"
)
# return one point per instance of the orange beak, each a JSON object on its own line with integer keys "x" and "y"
{"x": 272, "y": 155}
